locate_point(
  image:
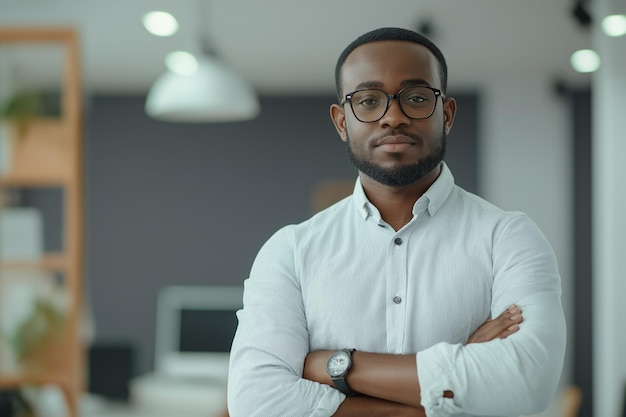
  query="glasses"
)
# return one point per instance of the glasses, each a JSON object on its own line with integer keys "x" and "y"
{"x": 370, "y": 105}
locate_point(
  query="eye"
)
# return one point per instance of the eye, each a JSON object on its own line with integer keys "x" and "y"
{"x": 368, "y": 101}
{"x": 416, "y": 99}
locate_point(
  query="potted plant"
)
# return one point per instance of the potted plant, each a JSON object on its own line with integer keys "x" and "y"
{"x": 16, "y": 116}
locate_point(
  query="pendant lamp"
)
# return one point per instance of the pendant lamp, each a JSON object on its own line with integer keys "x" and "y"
{"x": 208, "y": 92}
{"x": 212, "y": 93}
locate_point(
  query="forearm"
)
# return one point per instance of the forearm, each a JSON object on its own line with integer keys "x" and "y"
{"x": 373, "y": 407}
{"x": 517, "y": 375}
{"x": 395, "y": 378}
{"x": 387, "y": 377}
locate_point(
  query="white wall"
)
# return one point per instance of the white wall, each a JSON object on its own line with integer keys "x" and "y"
{"x": 525, "y": 163}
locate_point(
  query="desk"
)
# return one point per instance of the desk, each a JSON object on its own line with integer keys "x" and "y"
{"x": 129, "y": 411}
{"x": 154, "y": 395}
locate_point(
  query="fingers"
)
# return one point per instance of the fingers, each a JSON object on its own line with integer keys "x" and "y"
{"x": 513, "y": 313}
{"x": 502, "y": 326}
{"x": 506, "y": 333}
{"x": 509, "y": 321}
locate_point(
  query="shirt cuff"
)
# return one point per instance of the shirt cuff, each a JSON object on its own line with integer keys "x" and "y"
{"x": 329, "y": 403}
{"x": 433, "y": 365}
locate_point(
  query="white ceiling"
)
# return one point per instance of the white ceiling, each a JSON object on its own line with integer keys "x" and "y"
{"x": 290, "y": 47}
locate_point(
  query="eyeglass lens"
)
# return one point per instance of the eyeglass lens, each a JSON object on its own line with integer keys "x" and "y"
{"x": 415, "y": 102}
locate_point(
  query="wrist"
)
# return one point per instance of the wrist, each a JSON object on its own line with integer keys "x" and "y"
{"x": 338, "y": 367}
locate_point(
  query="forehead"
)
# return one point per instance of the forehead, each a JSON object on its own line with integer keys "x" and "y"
{"x": 389, "y": 64}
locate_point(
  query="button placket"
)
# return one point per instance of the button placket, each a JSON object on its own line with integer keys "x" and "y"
{"x": 396, "y": 287}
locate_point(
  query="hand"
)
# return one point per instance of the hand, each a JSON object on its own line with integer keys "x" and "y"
{"x": 503, "y": 326}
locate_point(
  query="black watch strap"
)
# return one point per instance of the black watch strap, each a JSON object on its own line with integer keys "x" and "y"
{"x": 341, "y": 384}
{"x": 340, "y": 381}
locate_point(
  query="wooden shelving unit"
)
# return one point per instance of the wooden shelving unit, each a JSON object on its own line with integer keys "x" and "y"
{"x": 49, "y": 154}
{"x": 49, "y": 262}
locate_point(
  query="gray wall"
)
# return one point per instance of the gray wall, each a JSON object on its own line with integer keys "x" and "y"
{"x": 192, "y": 203}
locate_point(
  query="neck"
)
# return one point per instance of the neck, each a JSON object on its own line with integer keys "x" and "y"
{"x": 395, "y": 204}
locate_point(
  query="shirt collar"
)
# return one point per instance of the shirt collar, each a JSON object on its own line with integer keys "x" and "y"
{"x": 439, "y": 192}
{"x": 432, "y": 199}
{"x": 361, "y": 202}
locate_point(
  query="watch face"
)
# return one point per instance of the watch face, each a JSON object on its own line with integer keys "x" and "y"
{"x": 338, "y": 363}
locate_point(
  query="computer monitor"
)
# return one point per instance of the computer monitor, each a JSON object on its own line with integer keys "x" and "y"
{"x": 195, "y": 329}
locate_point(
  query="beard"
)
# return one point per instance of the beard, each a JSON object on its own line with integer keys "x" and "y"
{"x": 401, "y": 175}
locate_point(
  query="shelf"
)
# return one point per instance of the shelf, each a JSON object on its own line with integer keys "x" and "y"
{"x": 31, "y": 181}
{"x": 51, "y": 360}
{"x": 42, "y": 155}
{"x": 49, "y": 262}
{"x": 47, "y": 152}
{"x": 19, "y": 379}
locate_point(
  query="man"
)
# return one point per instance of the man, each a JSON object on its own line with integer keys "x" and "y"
{"x": 391, "y": 290}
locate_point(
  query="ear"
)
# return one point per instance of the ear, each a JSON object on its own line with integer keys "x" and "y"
{"x": 339, "y": 120}
{"x": 449, "y": 111}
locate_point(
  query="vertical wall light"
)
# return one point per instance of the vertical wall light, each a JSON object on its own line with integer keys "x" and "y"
{"x": 584, "y": 60}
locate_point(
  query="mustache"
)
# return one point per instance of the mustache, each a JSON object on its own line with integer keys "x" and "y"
{"x": 398, "y": 132}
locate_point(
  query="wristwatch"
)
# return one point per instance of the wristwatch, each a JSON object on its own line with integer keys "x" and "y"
{"x": 338, "y": 365}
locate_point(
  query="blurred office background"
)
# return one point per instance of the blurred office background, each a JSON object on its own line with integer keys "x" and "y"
{"x": 190, "y": 203}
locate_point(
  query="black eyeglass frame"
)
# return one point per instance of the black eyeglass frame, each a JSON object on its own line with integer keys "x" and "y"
{"x": 438, "y": 93}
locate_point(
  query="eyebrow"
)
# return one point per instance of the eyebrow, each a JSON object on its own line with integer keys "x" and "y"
{"x": 405, "y": 83}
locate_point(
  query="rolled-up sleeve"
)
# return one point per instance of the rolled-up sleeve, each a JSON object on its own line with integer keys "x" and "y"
{"x": 272, "y": 341}
{"x": 519, "y": 374}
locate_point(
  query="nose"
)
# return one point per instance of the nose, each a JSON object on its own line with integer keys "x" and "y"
{"x": 394, "y": 116}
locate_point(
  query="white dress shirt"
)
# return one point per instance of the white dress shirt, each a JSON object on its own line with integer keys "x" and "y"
{"x": 346, "y": 279}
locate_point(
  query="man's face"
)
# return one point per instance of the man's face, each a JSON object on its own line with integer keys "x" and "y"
{"x": 394, "y": 150}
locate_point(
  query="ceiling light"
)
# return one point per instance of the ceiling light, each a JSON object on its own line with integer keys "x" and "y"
{"x": 160, "y": 23}
{"x": 585, "y": 60}
{"x": 614, "y": 25}
{"x": 213, "y": 93}
{"x": 181, "y": 63}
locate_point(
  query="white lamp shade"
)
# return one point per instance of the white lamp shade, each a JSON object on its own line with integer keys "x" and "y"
{"x": 214, "y": 93}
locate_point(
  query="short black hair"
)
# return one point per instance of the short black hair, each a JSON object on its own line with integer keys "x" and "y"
{"x": 392, "y": 34}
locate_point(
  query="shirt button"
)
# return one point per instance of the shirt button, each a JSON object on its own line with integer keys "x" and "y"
{"x": 397, "y": 241}
{"x": 397, "y": 299}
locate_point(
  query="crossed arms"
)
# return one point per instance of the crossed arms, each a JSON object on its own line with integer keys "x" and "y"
{"x": 388, "y": 384}
{"x": 514, "y": 375}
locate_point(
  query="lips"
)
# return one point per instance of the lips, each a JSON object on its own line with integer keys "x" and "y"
{"x": 396, "y": 137}
{"x": 395, "y": 140}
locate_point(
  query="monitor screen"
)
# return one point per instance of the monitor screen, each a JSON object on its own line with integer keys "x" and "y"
{"x": 195, "y": 330}
{"x": 206, "y": 330}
